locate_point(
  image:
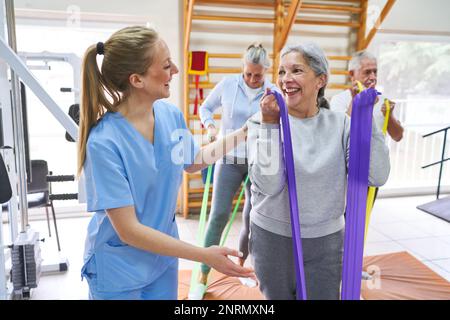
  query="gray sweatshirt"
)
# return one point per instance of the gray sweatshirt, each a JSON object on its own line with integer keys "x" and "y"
{"x": 321, "y": 149}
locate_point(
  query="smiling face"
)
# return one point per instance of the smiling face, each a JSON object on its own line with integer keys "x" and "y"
{"x": 298, "y": 82}
{"x": 254, "y": 75}
{"x": 366, "y": 74}
{"x": 156, "y": 80}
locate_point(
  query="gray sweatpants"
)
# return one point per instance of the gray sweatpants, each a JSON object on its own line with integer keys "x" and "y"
{"x": 227, "y": 181}
{"x": 273, "y": 261}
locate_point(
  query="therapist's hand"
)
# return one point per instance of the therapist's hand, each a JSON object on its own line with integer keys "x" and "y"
{"x": 217, "y": 257}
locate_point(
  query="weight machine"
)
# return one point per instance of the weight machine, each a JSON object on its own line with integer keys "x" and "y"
{"x": 20, "y": 262}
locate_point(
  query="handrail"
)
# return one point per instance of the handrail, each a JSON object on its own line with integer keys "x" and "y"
{"x": 441, "y": 162}
{"x": 434, "y": 163}
{"x": 430, "y": 134}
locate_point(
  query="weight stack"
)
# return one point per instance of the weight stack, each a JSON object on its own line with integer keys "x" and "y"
{"x": 26, "y": 262}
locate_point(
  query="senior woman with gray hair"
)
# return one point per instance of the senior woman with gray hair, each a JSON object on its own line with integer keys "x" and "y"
{"x": 320, "y": 139}
{"x": 239, "y": 97}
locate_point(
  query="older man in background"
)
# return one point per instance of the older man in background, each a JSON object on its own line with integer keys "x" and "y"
{"x": 363, "y": 68}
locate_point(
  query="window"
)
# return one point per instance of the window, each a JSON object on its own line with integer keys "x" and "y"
{"x": 415, "y": 73}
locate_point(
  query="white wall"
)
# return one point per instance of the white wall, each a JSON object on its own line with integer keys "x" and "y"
{"x": 430, "y": 16}
{"x": 163, "y": 15}
{"x": 136, "y": 7}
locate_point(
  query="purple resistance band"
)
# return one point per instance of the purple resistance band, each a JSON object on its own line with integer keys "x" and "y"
{"x": 292, "y": 187}
{"x": 358, "y": 178}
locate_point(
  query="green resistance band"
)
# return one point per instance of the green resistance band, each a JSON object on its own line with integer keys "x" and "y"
{"x": 201, "y": 230}
{"x": 236, "y": 207}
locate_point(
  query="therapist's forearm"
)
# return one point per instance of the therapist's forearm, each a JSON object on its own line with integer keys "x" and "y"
{"x": 152, "y": 240}
{"x": 135, "y": 234}
{"x": 214, "y": 151}
{"x": 157, "y": 242}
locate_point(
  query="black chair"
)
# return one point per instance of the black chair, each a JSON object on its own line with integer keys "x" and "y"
{"x": 74, "y": 113}
{"x": 38, "y": 194}
{"x": 5, "y": 185}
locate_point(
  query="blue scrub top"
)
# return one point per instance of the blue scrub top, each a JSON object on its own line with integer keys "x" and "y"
{"x": 123, "y": 168}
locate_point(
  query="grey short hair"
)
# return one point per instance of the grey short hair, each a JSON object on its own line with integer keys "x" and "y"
{"x": 316, "y": 60}
{"x": 256, "y": 54}
{"x": 358, "y": 57}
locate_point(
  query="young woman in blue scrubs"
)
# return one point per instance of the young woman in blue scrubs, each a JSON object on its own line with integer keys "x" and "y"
{"x": 133, "y": 147}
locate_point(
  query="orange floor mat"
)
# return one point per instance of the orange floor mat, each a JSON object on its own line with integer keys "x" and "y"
{"x": 396, "y": 276}
{"x": 400, "y": 276}
{"x": 221, "y": 287}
